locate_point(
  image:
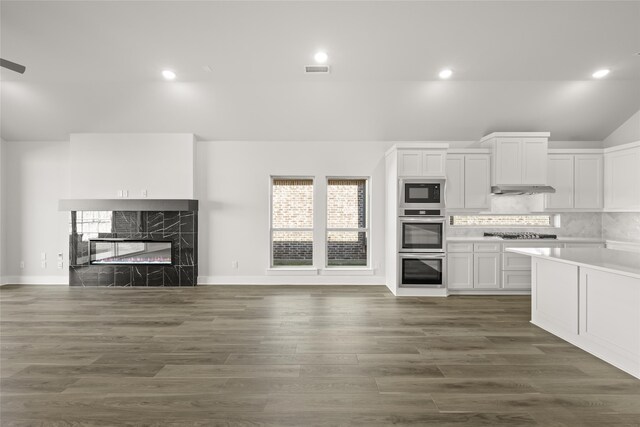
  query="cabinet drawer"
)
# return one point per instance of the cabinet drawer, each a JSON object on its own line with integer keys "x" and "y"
{"x": 459, "y": 247}
{"x": 486, "y": 247}
{"x": 511, "y": 261}
{"x": 516, "y": 279}
{"x": 531, "y": 244}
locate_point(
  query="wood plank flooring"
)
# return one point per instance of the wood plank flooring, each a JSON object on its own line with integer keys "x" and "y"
{"x": 293, "y": 356}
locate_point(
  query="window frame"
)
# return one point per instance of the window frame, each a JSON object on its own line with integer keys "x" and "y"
{"x": 272, "y": 178}
{"x": 366, "y": 230}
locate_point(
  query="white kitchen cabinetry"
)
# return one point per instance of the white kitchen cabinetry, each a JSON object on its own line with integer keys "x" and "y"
{"x": 622, "y": 178}
{"x": 518, "y": 158}
{"x": 578, "y": 180}
{"x": 486, "y": 270}
{"x": 460, "y": 270}
{"x": 474, "y": 267}
{"x": 455, "y": 181}
{"x": 421, "y": 163}
{"x": 468, "y": 181}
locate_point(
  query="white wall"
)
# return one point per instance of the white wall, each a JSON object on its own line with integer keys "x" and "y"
{"x": 629, "y": 131}
{"x": 2, "y": 207}
{"x": 161, "y": 164}
{"x": 35, "y": 175}
{"x": 234, "y": 179}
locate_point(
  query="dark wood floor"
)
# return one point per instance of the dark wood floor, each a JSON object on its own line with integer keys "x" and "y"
{"x": 293, "y": 356}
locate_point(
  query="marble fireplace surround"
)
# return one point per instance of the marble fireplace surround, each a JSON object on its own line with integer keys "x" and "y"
{"x": 174, "y": 220}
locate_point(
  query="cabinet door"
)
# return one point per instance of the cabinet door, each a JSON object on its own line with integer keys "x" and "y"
{"x": 588, "y": 181}
{"x": 508, "y": 155}
{"x": 477, "y": 181}
{"x": 560, "y": 177}
{"x": 410, "y": 162}
{"x": 460, "y": 271}
{"x": 534, "y": 161}
{"x": 622, "y": 179}
{"x": 516, "y": 280}
{"x": 433, "y": 163}
{"x": 486, "y": 270}
{"x": 455, "y": 181}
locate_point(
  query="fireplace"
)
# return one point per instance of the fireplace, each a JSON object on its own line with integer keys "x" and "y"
{"x": 130, "y": 252}
{"x": 132, "y": 242}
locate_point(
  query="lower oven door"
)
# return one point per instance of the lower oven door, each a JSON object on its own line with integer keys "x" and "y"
{"x": 424, "y": 270}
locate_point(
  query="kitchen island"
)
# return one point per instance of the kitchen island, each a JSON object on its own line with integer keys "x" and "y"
{"x": 589, "y": 297}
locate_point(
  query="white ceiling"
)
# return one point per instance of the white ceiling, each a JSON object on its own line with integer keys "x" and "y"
{"x": 95, "y": 67}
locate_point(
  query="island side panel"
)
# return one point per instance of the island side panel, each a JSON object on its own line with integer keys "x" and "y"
{"x": 610, "y": 318}
{"x": 554, "y": 302}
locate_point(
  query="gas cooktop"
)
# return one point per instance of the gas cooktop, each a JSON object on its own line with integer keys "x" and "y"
{"x": 523, "y": 235}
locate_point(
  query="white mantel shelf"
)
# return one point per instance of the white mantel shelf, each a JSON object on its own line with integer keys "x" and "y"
{"x": 609, "y": 260}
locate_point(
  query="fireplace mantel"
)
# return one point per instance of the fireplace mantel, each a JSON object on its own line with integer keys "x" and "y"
{"x": 128, "y": 205}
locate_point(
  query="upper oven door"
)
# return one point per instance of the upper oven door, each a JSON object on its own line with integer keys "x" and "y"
{"x": 421, "y": 234}
{"x": 421, "y": 193}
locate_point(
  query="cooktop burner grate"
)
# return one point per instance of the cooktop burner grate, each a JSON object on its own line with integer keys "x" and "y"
{"x": 525, "y": 235}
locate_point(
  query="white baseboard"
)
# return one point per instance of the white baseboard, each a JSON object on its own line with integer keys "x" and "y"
{"x": 291, "y": 280}
{"x": 35, "y": 280}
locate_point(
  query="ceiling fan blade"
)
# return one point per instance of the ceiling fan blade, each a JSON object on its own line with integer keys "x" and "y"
{"x": 12, "y": 66}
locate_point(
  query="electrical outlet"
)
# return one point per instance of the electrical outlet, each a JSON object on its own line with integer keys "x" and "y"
{"x": 144, "y": 193}
{"x": 60, "y": 256}
{"x": 60, "y": 264}
{"x": 21, "y": 264}
{"x": 234, "y": 264}
{"x": 43, "y": 264}
{"x": 125, "y": 193}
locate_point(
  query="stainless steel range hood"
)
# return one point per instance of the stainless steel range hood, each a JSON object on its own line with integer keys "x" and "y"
{"x": 514, "y": 190}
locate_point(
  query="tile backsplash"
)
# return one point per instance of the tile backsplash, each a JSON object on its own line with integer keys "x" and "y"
{"x": 574, "y": 224}
{"x": 621, "y": 226}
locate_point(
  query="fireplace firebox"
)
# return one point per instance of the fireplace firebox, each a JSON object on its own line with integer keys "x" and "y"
{"x": 130, "y": 252}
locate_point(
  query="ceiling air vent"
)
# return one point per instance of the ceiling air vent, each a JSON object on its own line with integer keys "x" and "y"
{"x": 316, "y": 69}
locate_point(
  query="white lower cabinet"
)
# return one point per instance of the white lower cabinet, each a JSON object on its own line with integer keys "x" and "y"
{"x": 460, "y": 270}
{"x": 478, "y": 266}
{"x": 472, "y": 270}
{"x": 486, "y": 270}
{"x": 517, "y": 280}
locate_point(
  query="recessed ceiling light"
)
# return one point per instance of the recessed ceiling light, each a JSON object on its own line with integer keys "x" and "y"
{"x": 321, "y": 57}
{"x": 600, "y": 74}
{"x": 446, "y": 73}
{"x": 168, "y": 75}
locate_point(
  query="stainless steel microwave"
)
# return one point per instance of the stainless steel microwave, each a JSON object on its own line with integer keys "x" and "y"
{"x": 421, "y": 194}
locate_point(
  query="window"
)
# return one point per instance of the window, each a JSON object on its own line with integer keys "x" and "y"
{"x": 504, "y": 220}
{"x": 347, "y": 222}
{"x": 291, "y": 222}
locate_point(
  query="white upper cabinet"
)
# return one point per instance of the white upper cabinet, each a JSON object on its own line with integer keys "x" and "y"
{"x": 622, "y": 178}
{"x": 561, "y": 178}
{"x": 578, "y": 180}
{"x": 455, "y": 181}
{"x": 421, "y": 163}
{"x": 468, "y": 181}
{"x": 588, "y": 181}
{"x": 534, "y": 160}
{"x": 477, "y": 181}
{"x": 508, "y": 161}
{"x": 519, "y": 158}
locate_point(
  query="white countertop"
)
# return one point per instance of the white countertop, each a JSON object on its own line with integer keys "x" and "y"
{"x": 498, "y": 239}
{"x": 609, "y": 260}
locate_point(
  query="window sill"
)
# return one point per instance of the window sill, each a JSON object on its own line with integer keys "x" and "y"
{"x": 347, "y": 271}
{"x": 292, "y": 271}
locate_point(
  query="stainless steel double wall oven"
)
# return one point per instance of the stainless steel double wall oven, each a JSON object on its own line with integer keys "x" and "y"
{"x": 421, "y": 234}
